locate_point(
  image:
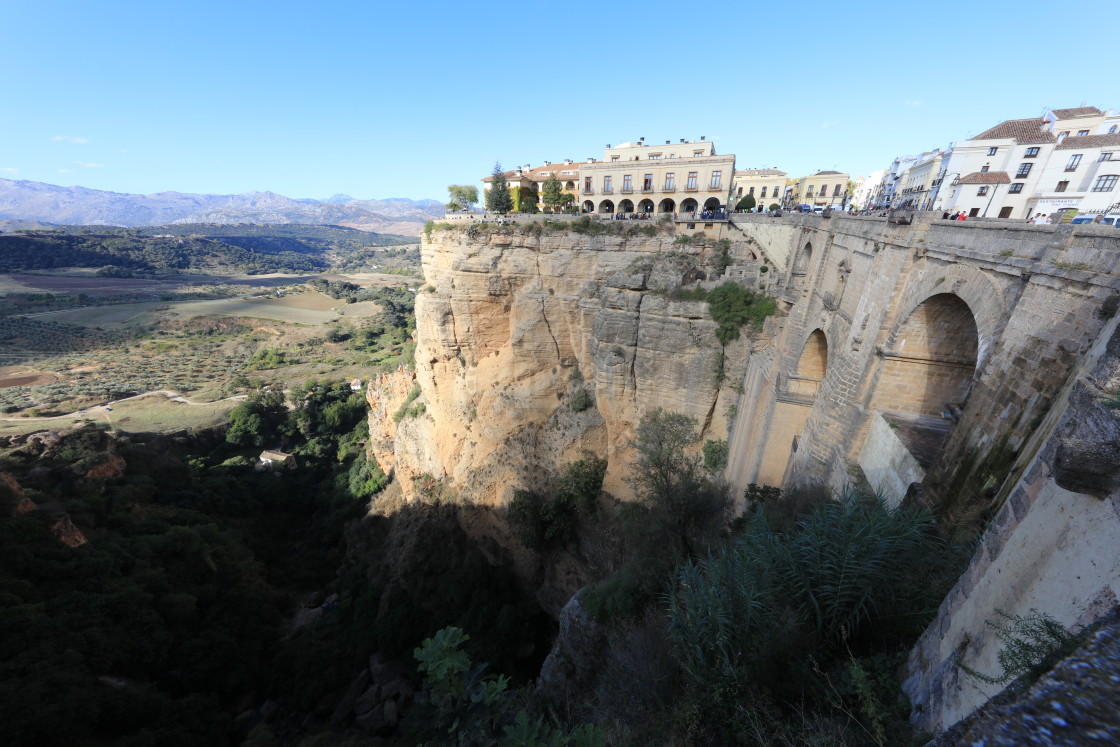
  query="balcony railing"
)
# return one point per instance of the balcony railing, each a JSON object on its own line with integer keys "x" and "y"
{"x": 691, "y": 188}
{"x": 608, "y": 190}
{"x": 627, "y": 190}
{"x": 669, "y": 188}
{"x": 647, "y": 189}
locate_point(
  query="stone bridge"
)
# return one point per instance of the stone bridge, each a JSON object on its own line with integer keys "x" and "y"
{"x": 936, "y": 359}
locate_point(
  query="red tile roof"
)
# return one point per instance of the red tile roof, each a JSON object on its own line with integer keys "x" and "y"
{"x": 1089, "y": 141}
{"x": 1081, "y": 111}
{"x": 986, "y": 177}
{"x": 540, "y": 173}
{"x": 1023, "y": 131}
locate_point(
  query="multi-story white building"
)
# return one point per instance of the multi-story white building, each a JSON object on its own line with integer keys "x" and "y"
{"x": 1044, "y": 164}
{"x": 766, "y": 186}
{"x": 916, "y": 184}
{"x": 889, "y": 186}
{"x": 866, "y": 189}
{"x": 640, "y": 178}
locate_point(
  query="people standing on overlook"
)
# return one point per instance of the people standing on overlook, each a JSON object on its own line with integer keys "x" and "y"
{"x": 960, "y": 215}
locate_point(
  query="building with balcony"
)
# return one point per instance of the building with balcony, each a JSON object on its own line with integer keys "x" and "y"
{"x": 637, "y": 177}
{"x": 917, "y": 182}
{"x": 1049, "y": 164}
{"x": 766, "y": 186}
{"x": 867, "y": 187}
{"x": 824, "y": 188}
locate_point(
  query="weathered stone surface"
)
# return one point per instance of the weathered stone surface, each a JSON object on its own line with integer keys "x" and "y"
{"x": 1075, "y": 704}
{"x": 518, "y": 322}
{"x": 569, "y": 671}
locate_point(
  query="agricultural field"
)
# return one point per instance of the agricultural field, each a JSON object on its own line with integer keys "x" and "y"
{"x": 207, "y": 338}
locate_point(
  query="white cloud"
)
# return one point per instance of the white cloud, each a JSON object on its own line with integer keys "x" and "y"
{"x": 90, "y": 165}
{"x": 65, "y": 171}
{"x": 71, "y": 139}
{"x": 826, "y": 125}
{"x": 914, "y": 102}
{"x": 9, "y": 170}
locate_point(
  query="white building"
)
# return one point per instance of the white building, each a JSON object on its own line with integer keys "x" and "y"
{"x": 885, "y": 196}
{"x": 866, "y": 188}
{"x": 1015, "y": 169}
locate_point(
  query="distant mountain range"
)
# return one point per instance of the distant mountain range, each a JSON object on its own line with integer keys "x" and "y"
{"x": 47, "y": 203}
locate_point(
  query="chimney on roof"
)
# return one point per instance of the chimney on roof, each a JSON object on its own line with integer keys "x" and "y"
{"x": 641, "y": 140}
{"x": 702, "y": 137}
{"x": 608, "y": 145}
{"x": 548, "y": 163}
{"x": 666, "y": 142}
{"x": 682, "y": 139}
{"x": 567, "y": 161}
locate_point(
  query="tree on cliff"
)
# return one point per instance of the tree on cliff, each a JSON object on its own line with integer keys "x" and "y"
{"x": 498, "y": 198}
{"x": 553, "y": 194}
{"x": 463, "y": 196}
{"x": 668, "y": 478}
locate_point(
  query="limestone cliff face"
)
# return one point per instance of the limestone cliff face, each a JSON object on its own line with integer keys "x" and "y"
{"x": 515, "y": 322}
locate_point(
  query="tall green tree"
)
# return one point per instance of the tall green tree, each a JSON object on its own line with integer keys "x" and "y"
{"x": 668, "y": 479}
{"x": 747, "y": 203}
{"x": 498, "y": 198}
{"x": 553, "y": 194}
{"x": 463, "y": 196}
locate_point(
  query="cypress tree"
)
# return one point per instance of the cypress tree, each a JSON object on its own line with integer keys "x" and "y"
{"x": 498, "y": 199}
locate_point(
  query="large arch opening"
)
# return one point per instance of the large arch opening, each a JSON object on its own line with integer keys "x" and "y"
{"x": 606, "y": 206}
{"x": 931, "y": 359}
{"x": 927, "y": 372}
{"x": 688, "y": 206}
{"x": 646, "y": 206}
{"x": 666, "y": 206}
{"x": 588, "y": 206}
{"x": 795, "y": 401}
{"x": 712, "y": 203}
{"x": 626, "y": 206}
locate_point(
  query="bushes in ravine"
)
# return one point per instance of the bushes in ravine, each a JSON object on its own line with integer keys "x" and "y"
{"x": 808, "y": 615}
{"x": 462, "y": 704}
{"x": 543, "y": 520}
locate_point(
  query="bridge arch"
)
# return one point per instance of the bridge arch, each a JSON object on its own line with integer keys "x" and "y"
{"x": 813, "y": 362}
{"x": 930, "y": 358}
{"x": 985, "y": 300}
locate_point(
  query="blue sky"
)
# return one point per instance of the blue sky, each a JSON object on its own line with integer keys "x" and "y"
{"x": 381, "y": 100}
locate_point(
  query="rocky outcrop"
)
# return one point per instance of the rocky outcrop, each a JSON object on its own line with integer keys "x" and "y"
{"x": 66, "y": 532}
{"x": 517, "y": 322}
{"x": 568, "y": 674}
{"x": 1074, "y": 704}
{"x": 385, "y": 394}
